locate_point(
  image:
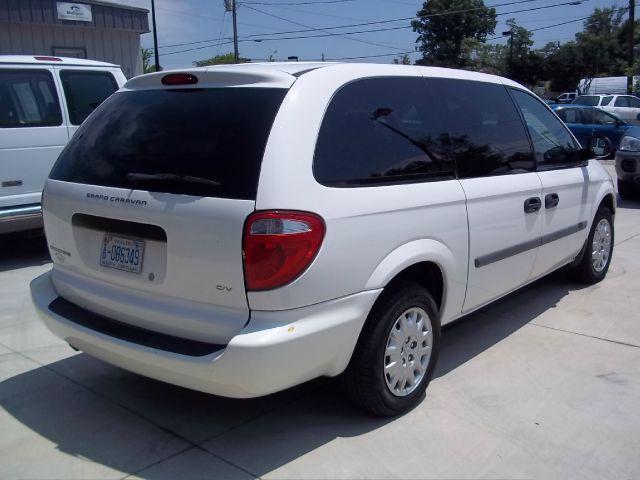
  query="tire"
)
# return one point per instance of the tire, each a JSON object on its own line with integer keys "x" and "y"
{"x": 365, "y": 381}
{"x": 626, "y": 190}
{"x": 596, "y": 255}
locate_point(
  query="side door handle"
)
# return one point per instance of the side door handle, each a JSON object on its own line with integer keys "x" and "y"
{"x": 532, "y": 204}
{"x": 551, "y": 200}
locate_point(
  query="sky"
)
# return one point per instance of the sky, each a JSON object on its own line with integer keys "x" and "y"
{"x": 190, "y": 30}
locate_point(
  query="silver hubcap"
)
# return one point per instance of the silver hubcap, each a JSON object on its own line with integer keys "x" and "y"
{"x": 408, "y": 351}
{"x": 601, "y": 248}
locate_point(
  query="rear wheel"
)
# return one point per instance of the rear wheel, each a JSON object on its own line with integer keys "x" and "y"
{"x": 396, "y": 353}
{"x": 598, "y": 250}
{"x": 626, "y": 190}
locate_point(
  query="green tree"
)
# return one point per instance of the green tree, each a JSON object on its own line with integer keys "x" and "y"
{"x": 522, "y": 64}
{"x": 484, "y": 57}
{"x": 599, "y": 43}
{"x": 224, "y": 59}
{"x": 444, "y": 25}
{"x": 147, "y": 66}
{"x": 402, "y": 60}
{"x": 563, "y": 65}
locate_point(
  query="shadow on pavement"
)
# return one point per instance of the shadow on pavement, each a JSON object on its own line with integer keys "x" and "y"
{"x": 82, "y": 424}
{"x": 633, "y": 204}
{"x": 19, "y": 250}
{"x": 463, "y": 339}
{"x": 75, "y": 402}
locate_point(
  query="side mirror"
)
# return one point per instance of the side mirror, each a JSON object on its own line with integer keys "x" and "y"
{"x": 599, "y": 147}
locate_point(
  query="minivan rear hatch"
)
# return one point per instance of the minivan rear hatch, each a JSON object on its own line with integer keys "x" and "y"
{"x": 145, "y": 208}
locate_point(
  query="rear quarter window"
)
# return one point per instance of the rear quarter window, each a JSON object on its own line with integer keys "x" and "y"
{"x": 394, "y": 130}
{"x": 379, "y": 131}
{"x": 213, "y": 134}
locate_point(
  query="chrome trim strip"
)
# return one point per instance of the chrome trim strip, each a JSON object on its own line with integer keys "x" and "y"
{"x": 528, "y": 245}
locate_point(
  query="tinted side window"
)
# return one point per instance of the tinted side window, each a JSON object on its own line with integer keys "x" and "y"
{"x": 606, "y": 100}
{"x": 553, "y": 145}
{"x": 633, "y": 102}
{"x": 571, "y": 115}
{"x": 603, "y": 118}
{"x": 621, "y": 102}
{"x": 380, "y": 131}
{"x": 587, "y": 100}
{"x": 480, "y": 128}
{"x": 85, "y": 90}
{"x": 28, "y": 98}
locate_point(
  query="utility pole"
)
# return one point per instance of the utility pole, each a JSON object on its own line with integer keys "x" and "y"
{"x": 155, "y": 35}
{"x": 230, "y": 5}
{"x": 632, "y": 22}
{"x": 510, "y": 34}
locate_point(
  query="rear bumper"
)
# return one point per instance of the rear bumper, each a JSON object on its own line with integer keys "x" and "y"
{"x": 274, "y": 351}
{"x": 21, "y": 217}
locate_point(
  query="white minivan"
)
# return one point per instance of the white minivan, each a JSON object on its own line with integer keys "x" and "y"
{"x": 242, "y": 229}
{"x": 43, "y": 101}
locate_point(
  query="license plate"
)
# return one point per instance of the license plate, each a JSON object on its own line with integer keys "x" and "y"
{"x": 122, "y": 253}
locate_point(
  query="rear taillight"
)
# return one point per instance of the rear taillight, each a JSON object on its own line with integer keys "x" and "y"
{"x": 278, "y": 246}
{"x": 179, "y": 79}
{"x": 48, "y": 59}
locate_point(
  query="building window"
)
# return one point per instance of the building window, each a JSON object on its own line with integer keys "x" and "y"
{"x": 71, "y": 52}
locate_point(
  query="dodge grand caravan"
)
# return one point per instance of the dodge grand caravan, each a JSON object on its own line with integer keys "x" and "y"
{"x": 242, "y": 229}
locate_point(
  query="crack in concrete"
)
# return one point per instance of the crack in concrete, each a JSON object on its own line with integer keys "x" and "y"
{"x": 585, "y": 335}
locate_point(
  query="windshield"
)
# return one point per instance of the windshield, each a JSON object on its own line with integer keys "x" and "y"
{"x": 216, "y": 135}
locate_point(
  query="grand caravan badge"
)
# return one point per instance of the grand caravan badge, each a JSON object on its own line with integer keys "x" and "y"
{"x": 118, "y": 200}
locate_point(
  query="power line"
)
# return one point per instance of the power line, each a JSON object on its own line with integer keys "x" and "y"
{"x": 362, "y": 24}
{"x": 294, "y": 3}
{"x": 323, "y": 30}
{"x": 344, "y": 34}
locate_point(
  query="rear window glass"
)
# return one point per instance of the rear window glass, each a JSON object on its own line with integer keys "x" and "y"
{"x": 84, "y": 91}
{"x": 217, "y": 136}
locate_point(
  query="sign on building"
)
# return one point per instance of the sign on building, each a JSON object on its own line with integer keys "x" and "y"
{"x": 79, "y": 12}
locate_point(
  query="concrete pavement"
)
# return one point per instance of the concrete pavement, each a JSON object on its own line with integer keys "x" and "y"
{"x": 543, "y": 384}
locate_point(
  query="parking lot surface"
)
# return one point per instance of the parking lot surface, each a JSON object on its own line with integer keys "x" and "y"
{"x": 542, "y": 384}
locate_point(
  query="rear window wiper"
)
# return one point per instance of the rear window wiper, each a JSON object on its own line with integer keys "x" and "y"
{"x": 168, "y": 177}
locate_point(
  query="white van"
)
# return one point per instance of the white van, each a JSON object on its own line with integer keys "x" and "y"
{"x": 43, "y": 101}
{"x": 242, "y": 229}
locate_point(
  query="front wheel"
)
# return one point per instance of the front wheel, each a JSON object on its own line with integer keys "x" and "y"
{"x": 396, "y": 353}
{"x": 598, "y": 250}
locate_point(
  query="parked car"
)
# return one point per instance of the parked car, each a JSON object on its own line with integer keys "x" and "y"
{"x": 242, "y": 229}
{"x": 627, "y": 107}
{"x": 628, "y": 164}
{"x": 566, "y": 97}
{"x": 43, "y": 101}
{"x": 588, "y": 122}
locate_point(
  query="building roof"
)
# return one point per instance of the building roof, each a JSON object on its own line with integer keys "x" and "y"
{"x": 107, "y": 15}
{"x": 51, "y": 60}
